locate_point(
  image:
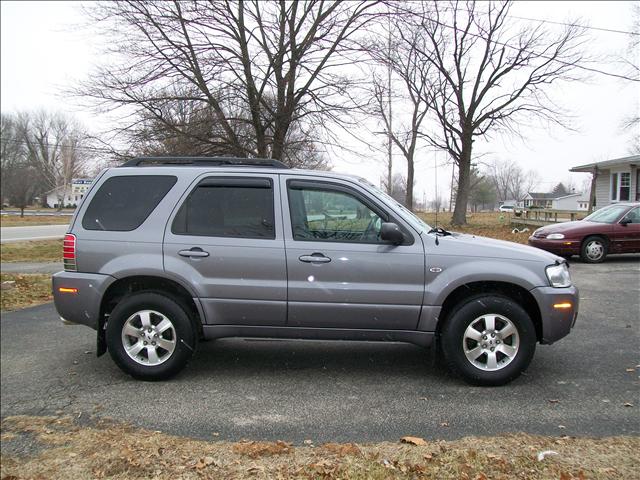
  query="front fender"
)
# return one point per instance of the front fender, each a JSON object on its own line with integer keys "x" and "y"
{"x": 456, "y": 273}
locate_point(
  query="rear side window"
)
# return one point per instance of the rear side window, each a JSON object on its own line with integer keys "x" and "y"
{"x": 121, "y": 204}
{"x": 228, "y": 207}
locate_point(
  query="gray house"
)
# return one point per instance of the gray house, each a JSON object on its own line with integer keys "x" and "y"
{"x": 613, "y": 181}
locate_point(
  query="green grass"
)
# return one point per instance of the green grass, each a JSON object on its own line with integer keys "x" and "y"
{"x": 36, "y": 251}
{"x": 18, "y": 221}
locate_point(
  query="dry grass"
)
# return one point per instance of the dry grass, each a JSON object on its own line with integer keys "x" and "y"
{"x": 20, "y": 290}
{"x": 36, "y": 251}
{"x": 492, "y": 224}
{"x": 17, "y": 221}
{"x": 109, "y": 450}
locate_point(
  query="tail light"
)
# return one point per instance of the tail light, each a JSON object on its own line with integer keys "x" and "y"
{"x": 69, "y": 253}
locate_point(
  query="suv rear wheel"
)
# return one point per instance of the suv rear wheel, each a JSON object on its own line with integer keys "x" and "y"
{"x": 150, "y": 336}
{"x": 488, "y": 340}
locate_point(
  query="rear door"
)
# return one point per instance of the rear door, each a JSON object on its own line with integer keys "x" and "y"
{"x": 340, "y": 274}
{"x": 225, "y": 239}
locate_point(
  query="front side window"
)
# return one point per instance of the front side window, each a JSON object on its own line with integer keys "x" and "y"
{"x": 332, "y": 215}
{"x": 633, "y": 216}
{"x": 123, "y": 203}
{"x": 228, "y": 207}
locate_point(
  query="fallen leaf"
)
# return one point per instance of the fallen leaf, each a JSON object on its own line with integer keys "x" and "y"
{"x": 628, "y": 404}
{"x": 631, "y": 369}
{"x": 209, "y": 461}
{"x": 427, "y": 456}
{"x": 481, "y": 476}
{"x": 308, "y": 442}
{"x": 554, "y": 400}
{"x": 423, "y": 398}
{"x": 561, "y": 427}
{"x": 444, "y": 424}
{"x": 413, "y": 440}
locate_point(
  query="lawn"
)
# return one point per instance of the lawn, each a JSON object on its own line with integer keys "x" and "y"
{"x": 17, "y": 221}
{"x": 68, "y": 448}
{"x": 490, "y": 224}
{"x": 37, "y": 251}
{"x": 20, "y": 290}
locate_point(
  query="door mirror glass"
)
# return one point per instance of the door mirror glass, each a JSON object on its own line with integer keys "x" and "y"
{"x": 390, "y": 232}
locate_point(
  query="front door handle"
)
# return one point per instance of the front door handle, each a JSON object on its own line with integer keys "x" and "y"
{"x": 314, "y": 258}
{"x": 193, "y": 252}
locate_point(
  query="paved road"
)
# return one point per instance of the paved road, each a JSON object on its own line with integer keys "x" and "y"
{"x": 343, "y": 391}
{"x": 36, "y": 232}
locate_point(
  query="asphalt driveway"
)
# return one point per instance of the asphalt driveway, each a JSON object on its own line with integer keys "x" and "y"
{"x": 343, "y": 391}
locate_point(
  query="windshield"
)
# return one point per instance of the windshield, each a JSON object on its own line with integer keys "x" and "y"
{"x": 409, "y": 215}
{"x": 607, "y": 215}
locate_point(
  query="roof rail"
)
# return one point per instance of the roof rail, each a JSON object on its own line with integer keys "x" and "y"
{"x": 204, "y": 161}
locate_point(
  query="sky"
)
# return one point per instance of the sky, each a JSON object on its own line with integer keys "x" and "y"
{"x": 44, "y": 52}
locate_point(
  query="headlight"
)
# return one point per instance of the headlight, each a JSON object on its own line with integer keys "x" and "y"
{"x": 558, "y": 275}
{"x": 555, "y": 236}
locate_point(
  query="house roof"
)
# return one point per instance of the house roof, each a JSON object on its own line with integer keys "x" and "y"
{"x": 545, "y": 195}
{"x": 589, "y": 167}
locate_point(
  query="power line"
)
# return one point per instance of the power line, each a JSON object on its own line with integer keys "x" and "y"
{"x": 602, "y": 29}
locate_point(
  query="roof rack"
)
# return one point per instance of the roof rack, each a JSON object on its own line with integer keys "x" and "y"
{"x": 204, "y": 161}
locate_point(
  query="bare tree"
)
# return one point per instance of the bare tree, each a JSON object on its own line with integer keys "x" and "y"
{"x": 56, "y": 146}
{"x": 18, "y": 176}
{"x": 253, "y": 69}
{"x": 511, "y": 182}
{"x": 489, "y": 76}
{"x": 401, "y": 58}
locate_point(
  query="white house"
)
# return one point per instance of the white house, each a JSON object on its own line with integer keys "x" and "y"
{"x": 573, "y": 201}
{"x": 616, "y": 180}
{"x": 68, "y": 195}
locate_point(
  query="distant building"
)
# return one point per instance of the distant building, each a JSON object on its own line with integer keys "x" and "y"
{"x": 540, "y": 200}
{"x": 616, "y": 180}
{"x": 68, "y": 196}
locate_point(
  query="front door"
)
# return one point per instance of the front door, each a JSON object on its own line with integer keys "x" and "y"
{"x": 226, "y": 241}
{"x": 626, "y": 232}
{"x": 340, "y": 273}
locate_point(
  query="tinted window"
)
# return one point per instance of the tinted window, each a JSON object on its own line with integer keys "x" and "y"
{"x": 228, "y": 207}
{"x": 123, "y": 203}
{"x": 332, "y": 216}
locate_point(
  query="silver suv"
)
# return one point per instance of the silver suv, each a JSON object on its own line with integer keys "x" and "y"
{"x": 164, "y": 252}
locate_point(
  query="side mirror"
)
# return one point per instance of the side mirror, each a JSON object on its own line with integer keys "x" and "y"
{"x": 390, "y": 232}
{"x": 625, "y": 221}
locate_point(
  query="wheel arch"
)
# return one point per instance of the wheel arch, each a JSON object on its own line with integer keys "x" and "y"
{"x": 139, "y": 283}
{"x": 515, "y": 292}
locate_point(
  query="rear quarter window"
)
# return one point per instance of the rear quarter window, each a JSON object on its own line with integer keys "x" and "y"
{"x": 123, "y": 203}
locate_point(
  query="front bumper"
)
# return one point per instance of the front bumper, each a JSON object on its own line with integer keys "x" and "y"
{"x": 559, "y": 247}
{"x": 556, "y": 322}
{"x": 83, "y": 305}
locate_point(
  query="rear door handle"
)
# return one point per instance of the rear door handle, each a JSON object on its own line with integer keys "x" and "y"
{"x": 193, "y": 252}
{"x": 314, "y": 258}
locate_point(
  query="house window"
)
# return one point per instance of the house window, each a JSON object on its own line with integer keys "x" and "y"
{"x": 625, "y": 186}
{"x": 621, "y": 186}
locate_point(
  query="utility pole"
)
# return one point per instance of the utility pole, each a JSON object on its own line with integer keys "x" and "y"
{"x": 390, "y": 159}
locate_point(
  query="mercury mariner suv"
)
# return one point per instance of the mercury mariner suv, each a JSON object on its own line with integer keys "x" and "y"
{"x": 165, "y": 252}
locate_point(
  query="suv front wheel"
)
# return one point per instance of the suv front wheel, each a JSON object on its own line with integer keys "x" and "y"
{"x": 150, "y": 336}
{"x": 488, "y": 340}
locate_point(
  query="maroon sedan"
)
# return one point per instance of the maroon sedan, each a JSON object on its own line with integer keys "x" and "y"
{"x": 612, "y": 229}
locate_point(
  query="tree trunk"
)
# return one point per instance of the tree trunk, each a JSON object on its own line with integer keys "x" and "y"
{"x": 21, "y": 212}
{"x": 464, "y": 177}
{"x": 409, "y": 188}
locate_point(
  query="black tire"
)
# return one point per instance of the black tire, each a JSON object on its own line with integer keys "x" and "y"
{"x": 182, "y": 335}
{"x": 473, "y": 311}
{"x": 594, "y": 249}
